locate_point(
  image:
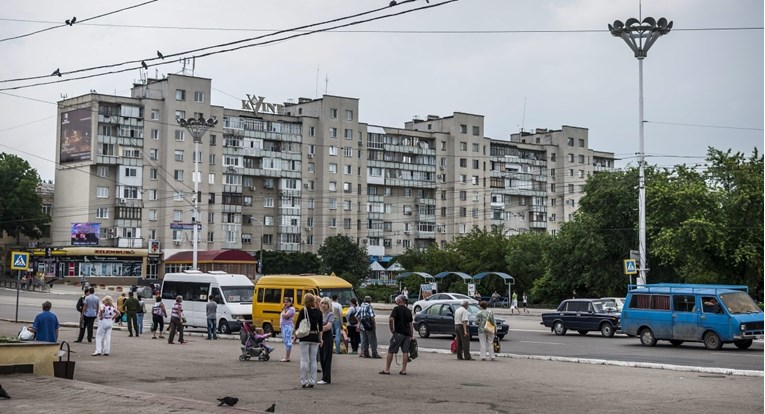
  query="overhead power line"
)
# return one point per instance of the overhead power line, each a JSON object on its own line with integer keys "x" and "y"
{"x": 703, "y": 126}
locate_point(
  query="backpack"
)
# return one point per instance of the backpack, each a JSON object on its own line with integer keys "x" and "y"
{"x": 80, "y": 303}
{"x": 352, "y": 319}
{"x": 156, "y": 309}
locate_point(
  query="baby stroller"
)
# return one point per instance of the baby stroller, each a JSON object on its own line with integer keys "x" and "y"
{"x": 254, "y": 344}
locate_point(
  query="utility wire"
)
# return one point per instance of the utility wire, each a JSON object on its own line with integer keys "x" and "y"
{"x": 78, "y": 22}
{"x": 704, "y": 126}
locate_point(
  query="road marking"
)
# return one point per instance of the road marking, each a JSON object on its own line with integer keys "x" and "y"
{"x": 541, "y": 343}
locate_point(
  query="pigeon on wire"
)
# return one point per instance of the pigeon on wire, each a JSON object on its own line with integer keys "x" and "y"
{"x": 56, "y": 72}
{"x": 392, "y": 3}
{"x": 271, "y": 409}
{"x": 160, "y": 55}
{"x": 145, "y": 66}
{"x": 4, "y": 395}
{"x": 72, "y": 21}
{"x": 230, "y": 401}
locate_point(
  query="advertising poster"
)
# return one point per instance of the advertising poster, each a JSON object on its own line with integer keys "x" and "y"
{"x": 76, "y": 135}
{"x": 85, "y": 234}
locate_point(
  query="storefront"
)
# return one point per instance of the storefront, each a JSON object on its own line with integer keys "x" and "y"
{"x": 97, "y": 265}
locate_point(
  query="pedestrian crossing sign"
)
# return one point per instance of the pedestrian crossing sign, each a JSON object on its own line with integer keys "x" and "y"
{"x": 19, "y": 261}
{"x": 630, "y": 268}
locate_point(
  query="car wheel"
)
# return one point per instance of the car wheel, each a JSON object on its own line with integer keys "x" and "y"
{"x": 647, "y": 338}
{"x": 223, "y": 326}
{"x": 423, "y": 330}
{"x": 743, "y": 344}
{"x": 267, "y": 328}
{"x": 558, "y": 328}
{"x": 582, "y": 332}
{"x": 675, "y": 342}
{"x": 417, "y": 309}
{"x": 607, "y": 330}
{"x": 712, "y": 341}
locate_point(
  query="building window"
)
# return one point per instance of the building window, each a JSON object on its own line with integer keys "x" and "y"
{"x": 332, "y": 168}
{"x": 332, "y": 150}
{"x": 152, "y": 215}
{"x": 102, "y": 192}
{"x": 581, "y": 159}
{"x": 463, "y": 146}
{"x": 178, "y": 175}
{"x": 348, "y": 115}
{"x": 333, "y": 132}
{"x": 476, "y": 148}
{"x": 199, "y": 96}
{"x": 213, "y": 140}
{"x": 570, "y": 141}
{"x": 348, "y": 151}
{"x": 463, "y": 162}
{"x": 311, "y": 131}
{"x": 348, "y": 134}
{"x": 179, "y": 135}
{"x": 153, "y": 174}
{"x": 155, "y": 134}
{"x": 154, "y": 114}
{"x": 180, "y": 95}
{"x": 463, "y": 212}
{"x": 152, "y": 194}
{"x": 153, "y": 154}
{"x": 475, "y": 164}
{"x": 332, "y": 205}
{"x": 347, "y": 169}
{"x": 552, "y": 157}
{"x": 570, "y": 157}
{"x": 333, "y": 113}
{"x": 476, "y": 131}
{"x": 102, "y": 212}
{"x": 571, "y": 188}
{"x": 463, "y": 128}
{"x": 178, "y": 154}
{"x": 581, "y": 142}
{"x": 332, "y": 186}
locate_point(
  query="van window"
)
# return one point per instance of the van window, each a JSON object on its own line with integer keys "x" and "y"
{"x": 739, "y": 302}
{"x": 190, "y": 291}
{"x": 344, "y": 295}
{"x": 658, "y": 302}
{"x": 684, "y": 303}
{"x": 215, "y": 292}
{"x": 710, "y": 305}
{"x": 237, "y": 294}
{"x": 272, "y": 296}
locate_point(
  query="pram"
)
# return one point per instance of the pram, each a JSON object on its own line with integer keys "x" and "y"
{"x": 254, "y": 344}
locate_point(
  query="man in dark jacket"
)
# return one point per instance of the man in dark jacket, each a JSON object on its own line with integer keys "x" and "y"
{"x": 132, "y": 306}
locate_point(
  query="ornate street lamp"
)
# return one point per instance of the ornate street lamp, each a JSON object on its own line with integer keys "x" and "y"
{"x": 640, "y": 36}
{"x": 197, "y": 128}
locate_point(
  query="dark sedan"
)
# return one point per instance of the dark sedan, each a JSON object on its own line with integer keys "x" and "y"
{"x": 583, "y": 315}
{"x": 438, "y": 319}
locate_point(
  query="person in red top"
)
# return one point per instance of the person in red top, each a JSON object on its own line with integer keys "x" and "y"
{"x": 176, "y": 321}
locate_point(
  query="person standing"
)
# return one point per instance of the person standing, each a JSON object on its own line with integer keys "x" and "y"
{"x": 366, "y": 316}
{"x": 176, "y": 321}
{"x": 45, "y": 325}
{"x": 325, "y": 349}
{"x": 286, "y": 325}
{"x": 309, "y": 345}
{"x": 106, "y": 316}
{"x": 405, "y": 292}
{"x": 139, "y": 315}
{"x": 485, "y": 337}
{"x": 158, "y": 315}
{"x": 402, "y": 331}
{"x": 353, "y": 325}
{"x": 90, "y": 307}
{"x": 121, "y": 305}
{"x": 337, "y": 323}
{"x": 525, "y": 303}
{"x": 212, "y": 316}
{"x": 132, "y": 305}
{"x": 462, "y": 331}
{"x": 514, "y": 303}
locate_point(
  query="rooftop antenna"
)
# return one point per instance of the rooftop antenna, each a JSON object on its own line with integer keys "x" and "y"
{"x": 326, "y": 83}
{"x": 523, "y": 118}
{"x": 193, "y": 65}
{"x": 316, "y": 92}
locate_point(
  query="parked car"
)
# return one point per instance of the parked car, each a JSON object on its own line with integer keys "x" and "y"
{"x": 619, "y": 302}
{"x": 438, "y": 319}
{"x": 583, "y": 315}
{"x": 441, "y": 298}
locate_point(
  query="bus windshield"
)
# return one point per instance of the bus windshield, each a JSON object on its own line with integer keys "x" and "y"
{"x": 237, "y": 294}
{"x": 344, "y": 295}
{"x": 739, "y": 302}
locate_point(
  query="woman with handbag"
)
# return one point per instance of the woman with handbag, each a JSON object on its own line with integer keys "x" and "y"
{"x": 308, "y": 333}
{"x": 487, "y": 326}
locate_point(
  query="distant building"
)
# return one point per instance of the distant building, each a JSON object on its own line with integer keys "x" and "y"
{"x": 285, "y": 176}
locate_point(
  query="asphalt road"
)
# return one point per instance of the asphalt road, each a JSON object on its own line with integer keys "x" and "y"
{"x": 527, "y": 337}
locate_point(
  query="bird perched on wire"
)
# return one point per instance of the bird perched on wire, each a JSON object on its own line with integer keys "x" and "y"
{"x": 271, "y": 409}
{"x": 392, "y": 3}
{"x": 56, "y": 72}
{"x": 145, "y": 66}
{"x": 160, "y": 55}
{"x": 4, "y": 395}
{"x": 230, "y": 401}
{"x": 72, "y": 21}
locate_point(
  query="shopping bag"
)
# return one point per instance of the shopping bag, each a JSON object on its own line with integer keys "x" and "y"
{"x": 26, "y": 335}
{"x": 454, "y": 346}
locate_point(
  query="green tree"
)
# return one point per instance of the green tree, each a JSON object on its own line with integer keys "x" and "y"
{"x": 292, "y": 263}
{"x": 20, "y": 205}
{"x": 525, "y": 258}
{"x": 340, "y": 255}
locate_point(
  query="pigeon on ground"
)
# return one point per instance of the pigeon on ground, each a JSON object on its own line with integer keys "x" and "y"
{"x": 145, "y": 66}
{"x": 71, "y": 22}
{"x": 271, "y": 409}
{"x": 230, "y": 401}
{"x": 4, "y": 395}
{"x": 56, "y": 72}
{"x": 160, "y": 55}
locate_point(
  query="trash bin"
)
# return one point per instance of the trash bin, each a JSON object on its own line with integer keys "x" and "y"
{"x": 63, "y": 369}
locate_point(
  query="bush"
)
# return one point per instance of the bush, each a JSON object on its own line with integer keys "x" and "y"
{"x": 378, "y": 293}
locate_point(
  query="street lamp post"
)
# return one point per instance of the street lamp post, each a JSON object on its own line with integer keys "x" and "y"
{"x": 640, "y": 36}
{"x": 259, "y": 269}
{"x": 197, "y": 128}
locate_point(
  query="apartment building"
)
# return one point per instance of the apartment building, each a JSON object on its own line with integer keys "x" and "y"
{"x": 285, "y": 176}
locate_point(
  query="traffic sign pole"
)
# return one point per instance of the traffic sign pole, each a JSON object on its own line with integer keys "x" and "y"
{"x": 18, "y": 288}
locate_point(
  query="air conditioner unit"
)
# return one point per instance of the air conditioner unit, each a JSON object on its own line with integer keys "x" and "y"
{"x": 230, "y": 168}
{"x": 407, "y": 232}
{"x": 123, "y": 201}
{"x": 308, "y": 228}
{"x": 398, "y": 241}
{"x": 252, "y": 188}
{"x": 442, "y": 168}
{"x": 177, "y": 243}
{"x": 305, "y": 185}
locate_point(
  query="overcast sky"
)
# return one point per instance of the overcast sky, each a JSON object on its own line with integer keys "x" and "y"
{"x": 555, "y": 58}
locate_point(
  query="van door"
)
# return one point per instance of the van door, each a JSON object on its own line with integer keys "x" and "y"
{"x": 713, "y": 317}
{"x": 685, "y": 318}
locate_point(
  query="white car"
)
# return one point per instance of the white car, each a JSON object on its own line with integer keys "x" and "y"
{"x": 440, "y": 298}
{"x": 619, "y": 303}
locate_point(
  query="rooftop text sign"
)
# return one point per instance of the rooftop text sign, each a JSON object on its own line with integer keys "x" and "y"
{"x": 258, "y": 105}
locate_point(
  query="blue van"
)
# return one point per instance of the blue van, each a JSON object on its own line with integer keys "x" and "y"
{"x": 712, "y": 314}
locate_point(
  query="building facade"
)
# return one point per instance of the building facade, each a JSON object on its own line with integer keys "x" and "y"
{"x": 287, "y": 176}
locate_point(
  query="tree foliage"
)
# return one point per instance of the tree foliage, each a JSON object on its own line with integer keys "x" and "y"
{"x": 340, "y": 255}
{"x": 292, "y": 263}
{"x": 20, "y": 205}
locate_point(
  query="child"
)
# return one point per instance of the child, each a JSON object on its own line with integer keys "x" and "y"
{"x": 260, "y": 338}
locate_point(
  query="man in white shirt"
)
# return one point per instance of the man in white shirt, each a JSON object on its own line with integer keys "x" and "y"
{"x": 462, "y": 331}
{"x": 337, "y": 323}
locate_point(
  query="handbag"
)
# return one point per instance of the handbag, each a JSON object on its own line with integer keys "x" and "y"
{"x": 413, "y": 349}
{"x": 489, "y": 327}
{"x": 304, "y": 327}
{"x": 495, "y": 344}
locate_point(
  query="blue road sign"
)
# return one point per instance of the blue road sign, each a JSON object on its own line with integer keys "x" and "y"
{"x": 19, "y": 261}
{"x": 630, "y": 267}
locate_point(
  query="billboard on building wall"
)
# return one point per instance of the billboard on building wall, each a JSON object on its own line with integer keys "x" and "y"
{"x": 76, "y": 135}
{"x": 85, "y": 234}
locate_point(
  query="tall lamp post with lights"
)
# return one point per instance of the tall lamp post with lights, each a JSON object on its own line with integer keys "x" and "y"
{"x": 197, "y": 128}
{"x": 640, "y": 36}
